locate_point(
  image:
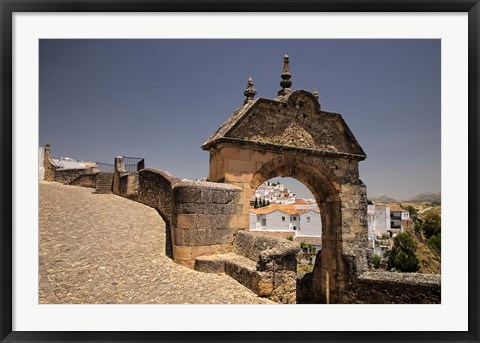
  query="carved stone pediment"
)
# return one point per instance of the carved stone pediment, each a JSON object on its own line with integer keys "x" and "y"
{"x": 294, "y": 121}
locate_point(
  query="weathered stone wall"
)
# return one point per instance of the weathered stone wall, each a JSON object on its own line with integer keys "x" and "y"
{"x": 202, "y": 217}
{"x": 397, "y": 288}
{"x": 206, "y": 218}
{"x": 48, "y": 165}
{"x": 276, "y": 266}
{"x": 155, "y": 190}
{"x": 66, "y": 176}
{"x": 128, "y": 185}
{"x": 85, "y": 180}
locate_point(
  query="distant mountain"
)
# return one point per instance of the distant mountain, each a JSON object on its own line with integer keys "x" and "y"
{"x": 425, "y": 197}
{"x": 383, "y": 198}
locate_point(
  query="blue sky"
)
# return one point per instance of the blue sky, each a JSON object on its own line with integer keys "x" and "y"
{"x": 161, "y": 99}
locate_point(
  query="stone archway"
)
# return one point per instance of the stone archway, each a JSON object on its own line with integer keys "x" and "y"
{"x": 325, "y": 187}
{"x": 291, "y": 136}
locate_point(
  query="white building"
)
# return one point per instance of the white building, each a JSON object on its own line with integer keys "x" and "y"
{"x": 275, "y": 193}
{"x": 397, "y": 215}
{"x": 298, "y": 219}
{"x": 386, "y": 219}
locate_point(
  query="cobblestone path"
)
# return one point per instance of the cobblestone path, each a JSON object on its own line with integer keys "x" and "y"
{"x": 104, "y": 249}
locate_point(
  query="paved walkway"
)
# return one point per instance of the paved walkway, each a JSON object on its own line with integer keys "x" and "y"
{"x": 104, "y": 249}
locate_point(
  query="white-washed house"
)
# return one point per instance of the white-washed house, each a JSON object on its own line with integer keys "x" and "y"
{"x": 298, "y": 219}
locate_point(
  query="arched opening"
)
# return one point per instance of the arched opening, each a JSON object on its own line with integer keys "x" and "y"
{"x": 321, "y": 182}
{"x": 286, "y": 208}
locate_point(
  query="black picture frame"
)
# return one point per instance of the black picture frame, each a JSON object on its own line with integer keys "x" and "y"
{"x": 8, "y": 7}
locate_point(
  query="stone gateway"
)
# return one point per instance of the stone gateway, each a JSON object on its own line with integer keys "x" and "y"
{"x": 291, "y": 136}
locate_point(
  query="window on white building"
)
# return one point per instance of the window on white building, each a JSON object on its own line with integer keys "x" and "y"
{"x": 283, "y": 219}
{"x": 294, "y": 218}
{"x": 294, "y": 227}
{"x": 308, "y": 219}
{"x": 264, "y": 221}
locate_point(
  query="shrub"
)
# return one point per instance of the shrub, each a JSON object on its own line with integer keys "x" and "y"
{"x": 290, "y": 238}
{"x": 402, "y": 255}
{"x": 435, "y": 242}
{"x": 430, "y": 223}
{"x": 376, "y": 260}
{"x": 307, "y": 247}
{"x": 385, "y": 236}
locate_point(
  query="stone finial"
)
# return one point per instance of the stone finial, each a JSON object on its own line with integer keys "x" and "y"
{"x": 315, "y": 94}
{"x": 250, "y": 92}
{"x": 286, "y": 83}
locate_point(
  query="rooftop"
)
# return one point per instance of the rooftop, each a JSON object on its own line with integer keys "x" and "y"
{"x": 291, "y": 209}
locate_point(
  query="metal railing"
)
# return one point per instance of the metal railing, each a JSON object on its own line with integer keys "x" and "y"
{"x": 105, "y": 167}
{"x": 134, "y": 164}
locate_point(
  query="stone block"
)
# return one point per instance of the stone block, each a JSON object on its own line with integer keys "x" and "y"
{"x": 221, "y": 248}
{"x": 236, "y": 166}
{"x": 182, "y": 253}
{"x": 206, "y": 208}
{"x": 262, "y": 156}
{"x": 245, "y": 155}
{"x": 210, "y": 264}
{"x": 201, "y": 250}
{"x": 241, "y": 269}
{"x": 212, "y": 221}
{"x": 243, "y": 244}
{"x": 233, "y": 177}
{"x": 263, "y": 286}
{"x": 187, "y": 221}
{"x": 221, "y": 196}
{"x": 230, "y": 153}
{"x": 342, "y": 164}
{"x": 178, "y": 237}
{"x": 239, "y": 221}
{"x": 185, "y": 194}
{"x": 196, "y": 237}
{"x": 225, "y": 235}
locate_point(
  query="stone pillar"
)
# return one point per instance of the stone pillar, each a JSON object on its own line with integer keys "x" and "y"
{"x": 206, "y": 217}
{"x": 49, "y": 167}
{"x": 119, "y": 167}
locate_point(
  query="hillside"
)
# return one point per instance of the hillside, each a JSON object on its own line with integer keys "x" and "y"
{"x": 430, "y": 260}
{"x": 384, "y": 199}
{"x": 425, "y": 197}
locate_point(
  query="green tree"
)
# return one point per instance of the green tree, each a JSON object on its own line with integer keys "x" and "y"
{"x": 376, "y": 260}
{"x": 256, "y": 203}
{"x": 435, "y": 242}
{"x": 431, "y": 224}
{"x": 402, "y": 255}
{"x": 268, "y": 202}
{"x": 308, "y": 247}
{"x": 263, "y": 202}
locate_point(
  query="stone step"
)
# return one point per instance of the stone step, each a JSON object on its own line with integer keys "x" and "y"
{"x": 212, "y": 263}
{"x": 238, "y": 267}
{"x": 104, "y": 183}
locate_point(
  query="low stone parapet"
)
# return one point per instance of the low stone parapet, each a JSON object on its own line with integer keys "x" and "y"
{"x": 398, "y": 288}
{"x": 266, "y": 265}
{"x": 85, "y": 180}
{"x": 67, "y": 176}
